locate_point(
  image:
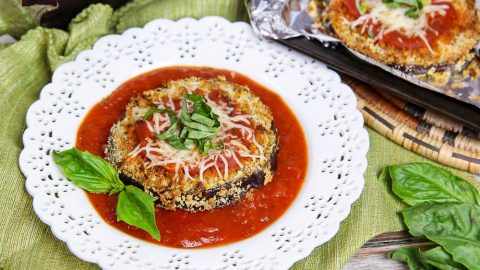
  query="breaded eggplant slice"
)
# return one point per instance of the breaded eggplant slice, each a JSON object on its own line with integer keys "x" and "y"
{"x": 190, "y": 179}
{"x": 452, "y": 49}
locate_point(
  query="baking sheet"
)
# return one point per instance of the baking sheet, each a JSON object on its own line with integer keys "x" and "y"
{"x": 285, "y": 19}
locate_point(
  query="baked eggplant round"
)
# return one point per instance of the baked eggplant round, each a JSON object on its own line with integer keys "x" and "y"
{"x": 430, "y": 36}
{"x": 196, "y": 144}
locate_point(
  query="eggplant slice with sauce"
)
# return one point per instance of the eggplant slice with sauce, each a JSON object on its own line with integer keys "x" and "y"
{"x": 192, "y": 180}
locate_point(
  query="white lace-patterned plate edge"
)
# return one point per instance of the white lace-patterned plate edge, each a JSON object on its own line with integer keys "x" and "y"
{"x": 326, "y": 108}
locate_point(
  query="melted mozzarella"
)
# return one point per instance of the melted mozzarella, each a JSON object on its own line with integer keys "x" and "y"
{"x": 160, "y": 153}
{"x": 394, "y": 19}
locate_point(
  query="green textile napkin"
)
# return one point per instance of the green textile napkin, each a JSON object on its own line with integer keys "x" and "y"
{"x": 25, "y": 67}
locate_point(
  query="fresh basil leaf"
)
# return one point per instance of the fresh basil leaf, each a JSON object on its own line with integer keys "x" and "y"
{"x": 183, "y": 133}
{"x": 363, "y": 7}
{"x": 188, "y": 142}
{"x": 202, "y": 108}
{"x": 412, "y": 3}
{"x": 436, "y": 258}
{"x": 454, "y": 226}
{"x": 413, "y": 13}
{"x": 171, "y": 131}
{"x": 440, "y": 259}
{"x": 173, "y": 117}
{"x": 423, "y": 183}
{"x": 384, "y": 175}
{"x": 203, "y": 120}
{"x": 197, "y": 134}
{"x": 392, "y": 5}
{"x": 184, "y": 116}
{"x": 202, "y": 125}
{"x": 88, "y": 171}
{"x": 414, "y": 6}
{"x": 422, "y": 3}
{"x": 135, "y": 207}
{"x": 204, "y": 145}
{"x": 197, "y": 126}
{"x": 411, "y": 256}
{"x": 177, "y": 144}
{"x": 193, "y": 97}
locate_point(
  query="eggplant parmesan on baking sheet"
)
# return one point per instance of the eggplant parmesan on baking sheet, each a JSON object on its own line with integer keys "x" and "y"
{"x": 196, "y": 144}
{"x": 424, "y": 38}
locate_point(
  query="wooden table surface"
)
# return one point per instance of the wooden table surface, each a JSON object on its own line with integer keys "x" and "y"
{"x": 373, "y": 255}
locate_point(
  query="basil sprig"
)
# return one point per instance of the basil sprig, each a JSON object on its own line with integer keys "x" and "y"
{"x": 198, "y": 127}
{"x": 435, "y": 258}
{"x": 423, "y": 184}
{"x": 88, "y": 171}
{"x": 445, "y": 209}
{"x": 414, "y": 7}
{"x": 94, "y": 174}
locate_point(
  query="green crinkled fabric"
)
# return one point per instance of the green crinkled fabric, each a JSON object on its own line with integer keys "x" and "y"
{"x": 25, "y": 67}
{"x": 16, "y": 20}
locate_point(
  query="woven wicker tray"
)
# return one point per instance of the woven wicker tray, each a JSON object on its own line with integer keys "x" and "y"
{"x": 417, "y": 129}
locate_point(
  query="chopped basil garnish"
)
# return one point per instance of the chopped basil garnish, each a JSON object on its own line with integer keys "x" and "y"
{"x": 176, "y": 143}
{"x": 173, "y": 117}
{"x": 198, "y": 127}
{"x": 414, "y": 6}
{"x": 370, "y": 33}
{"x": 171, "y": 132}
{"x": 363, "y": 7}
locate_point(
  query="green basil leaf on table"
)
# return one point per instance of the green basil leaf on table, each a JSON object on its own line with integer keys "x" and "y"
{"x": 410, "y": 256}
{"x": 88, "y": 171}
{"x": 454, "y": 226}
{"x": 136, "y": 208}
{"x": 422, "y": 184}
{"x": 439, "y": 258}
{"x": 436, "y": 258}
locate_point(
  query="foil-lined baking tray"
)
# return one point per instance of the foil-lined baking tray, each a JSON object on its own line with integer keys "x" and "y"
{"x": 291, "y": 22}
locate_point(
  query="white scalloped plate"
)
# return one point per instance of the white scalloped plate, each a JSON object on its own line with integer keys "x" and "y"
{"x": 326, "y": 108}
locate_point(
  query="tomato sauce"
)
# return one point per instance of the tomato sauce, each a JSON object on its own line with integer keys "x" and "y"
{"x": 438, "y": 25}
{"x": 235, "y": 222}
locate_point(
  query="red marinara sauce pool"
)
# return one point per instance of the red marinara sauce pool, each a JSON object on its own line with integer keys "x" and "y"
{"x": 220, "y": 226}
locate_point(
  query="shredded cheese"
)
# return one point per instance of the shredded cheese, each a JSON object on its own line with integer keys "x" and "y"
{"x": 395, "y": 19}
{"x": 160, "y": 153}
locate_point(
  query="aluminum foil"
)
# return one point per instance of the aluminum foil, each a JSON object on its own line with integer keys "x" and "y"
{"x": 283, "y": 19}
